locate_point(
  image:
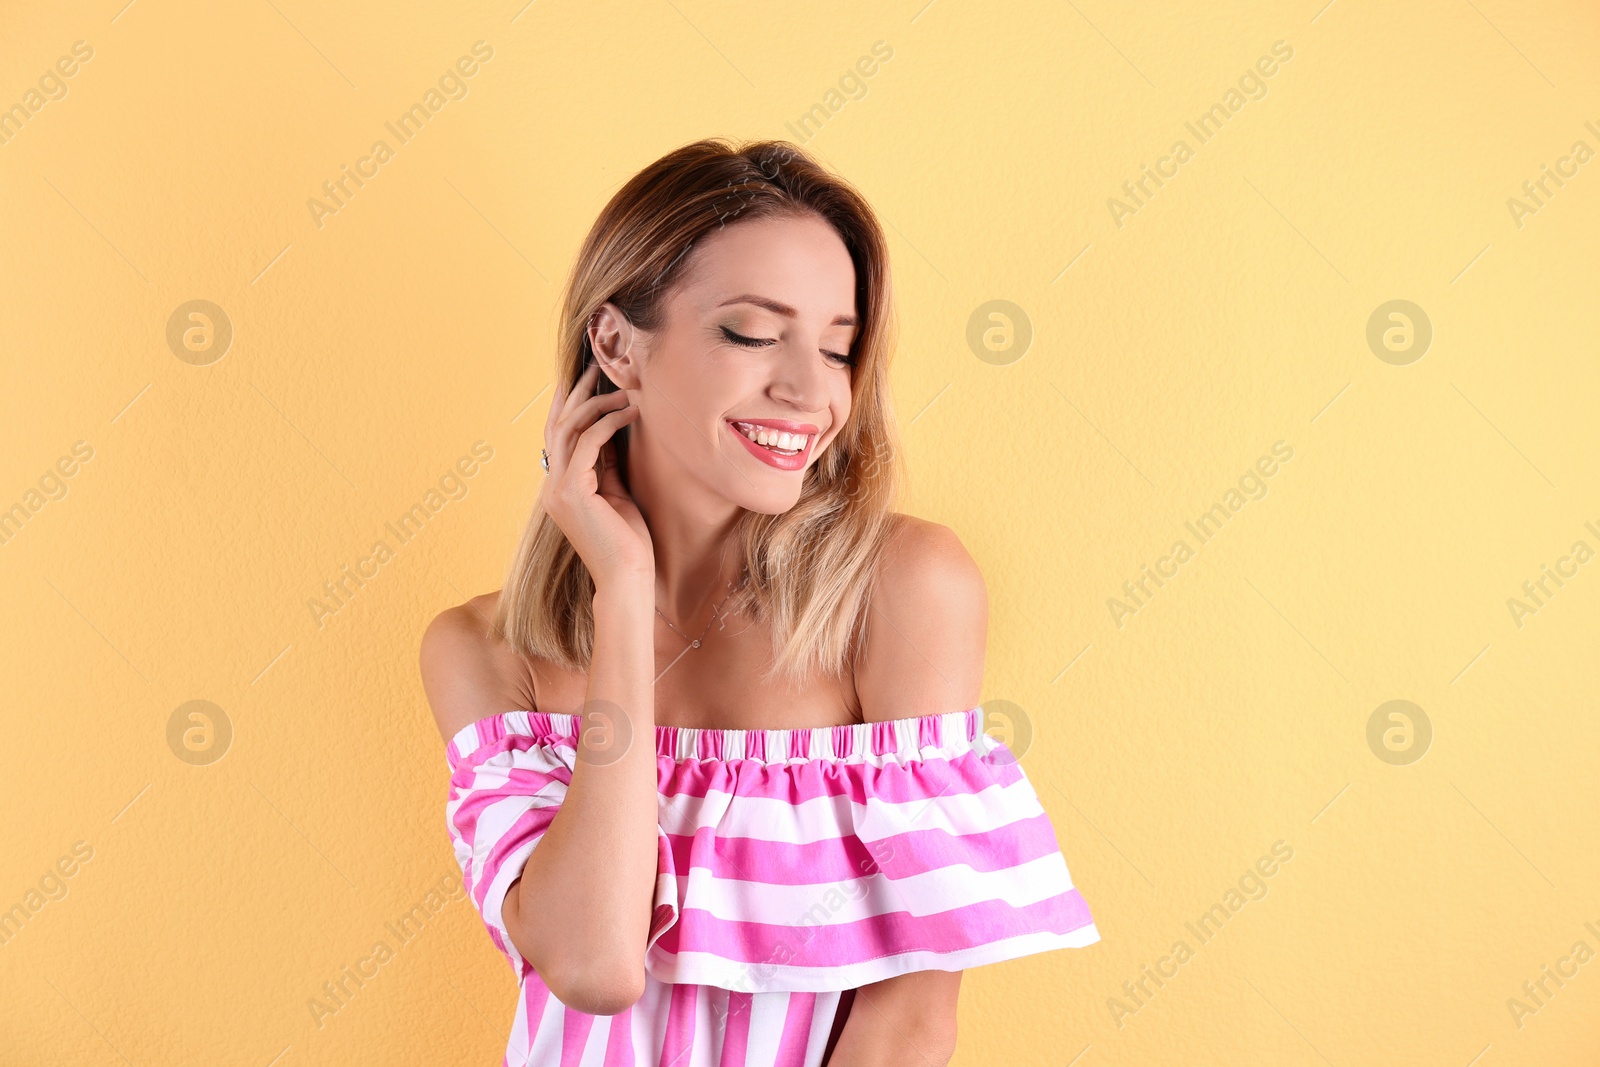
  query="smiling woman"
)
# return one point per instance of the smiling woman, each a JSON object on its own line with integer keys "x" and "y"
{"x": 778, "y": 842}
{"x": 766, "y": 303}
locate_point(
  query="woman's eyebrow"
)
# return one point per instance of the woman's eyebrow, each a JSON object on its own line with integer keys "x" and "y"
{"x": 780, "y": 308}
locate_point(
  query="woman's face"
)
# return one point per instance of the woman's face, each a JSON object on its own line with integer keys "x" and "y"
{"x": 755, "y": 341}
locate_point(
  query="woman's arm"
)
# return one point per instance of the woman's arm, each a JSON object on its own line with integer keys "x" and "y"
{"x": 923, "y": 654}
{"x": 905, "y": 1021}
{"x": 583, "y": 902}
{"x": 580, "y": 911}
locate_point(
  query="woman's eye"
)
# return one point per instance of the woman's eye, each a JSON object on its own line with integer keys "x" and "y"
{"x": 843, "y": 359}
{"x": 748, "y": 342}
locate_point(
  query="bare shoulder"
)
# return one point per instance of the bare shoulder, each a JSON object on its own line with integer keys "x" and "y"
{"x": 928, "y": 626}
{"x": 468, "y": 674}
{"x": 923, "y": 555}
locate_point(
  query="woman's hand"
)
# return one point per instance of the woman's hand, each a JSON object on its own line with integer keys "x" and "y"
{"x": 593, "y": 508}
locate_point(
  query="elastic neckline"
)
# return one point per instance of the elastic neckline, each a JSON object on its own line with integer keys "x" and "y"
{"x": 886, "y": 741}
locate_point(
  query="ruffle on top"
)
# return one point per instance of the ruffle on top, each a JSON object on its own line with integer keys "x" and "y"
{"x": 801, "y": 860}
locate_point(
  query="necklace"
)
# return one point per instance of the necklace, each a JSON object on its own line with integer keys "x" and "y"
{"x": 694, "y": 642}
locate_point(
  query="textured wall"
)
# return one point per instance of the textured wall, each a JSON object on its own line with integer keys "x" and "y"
{"x": 1388, "y": 491}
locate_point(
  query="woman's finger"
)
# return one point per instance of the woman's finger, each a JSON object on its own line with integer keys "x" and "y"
{"x": 586, "y": 450}
{"x": 568, "y": 433}
{"x": 556, "y": 442}
{"x": 555, "y": 411}
{"x": 579, "y": 416}
{"x": 562, "y": 398}
{"x": 584, "y": 386}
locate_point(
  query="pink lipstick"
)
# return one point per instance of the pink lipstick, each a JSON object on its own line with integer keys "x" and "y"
{"x": 771, "y": 454}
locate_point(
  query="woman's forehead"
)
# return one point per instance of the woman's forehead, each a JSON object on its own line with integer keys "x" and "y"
{"x": 785, "y": 265}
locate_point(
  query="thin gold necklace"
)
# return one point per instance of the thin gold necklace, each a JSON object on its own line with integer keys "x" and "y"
{"x": 694, "y": 642}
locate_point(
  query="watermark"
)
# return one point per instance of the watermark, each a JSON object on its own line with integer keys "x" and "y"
{"x": 199, "y": 332}
{"x": 1252, "y": 85}
{"x": 1005, "y": 724}
{"x": 339, "y": 991}
{"x": 1252, "y": 485}
{"x": 51, "y": 486}
{"x": 1536, "y": 992}
{"x": 1399, "y": 732}
{"x": 999, "y": 332}
{"x": 799, "y": 932}
{"x": 736, "y": 196}
{"x": 199, "y": 732}
{"x": 1137, "y": 993}
{"x": 1399, "y": 332}
{"x": 1579, "y": 554}
{"x": 856, "y": 482}
{"x": 51, "y": 86}
{"x": 52, "y": 887}
{"x": 605, "y": 733}
{"x": 852, "y": 86}
{"x": 337, "y": 192}
{"x": 1537, "y": 191}
{"x": 337, "y": 593}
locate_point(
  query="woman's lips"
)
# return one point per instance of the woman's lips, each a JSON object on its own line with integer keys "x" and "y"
{"x": 769, "y": 457}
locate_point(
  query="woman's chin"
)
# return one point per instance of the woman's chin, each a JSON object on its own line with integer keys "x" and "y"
{"x": 774, "y": 501}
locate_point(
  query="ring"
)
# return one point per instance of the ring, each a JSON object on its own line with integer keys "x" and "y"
{"x": 544, "y": 460}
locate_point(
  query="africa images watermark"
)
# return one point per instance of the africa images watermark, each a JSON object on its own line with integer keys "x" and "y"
{"x": 1579, "y": 554}
{"x": 339, "y": 991}
{"x": 337, "y": 593}
{"x": 1537, "y": 992}
{"x": 52, "y": 486}
{"x": 1252, "y": 485}
{"x": 52, "y": 887}
{"x": 799, "y": 933}
{"x": 1251, "y": 886}
{"x": 1252, "y": 85}
{"x": 452, "y": 85}
{"x": 52, "y": 85}
{"x": 1537, "y": 192}
{"x": 851, "y": 87}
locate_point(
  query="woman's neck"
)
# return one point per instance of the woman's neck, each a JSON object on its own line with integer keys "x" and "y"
{"x": 695, "y": 560}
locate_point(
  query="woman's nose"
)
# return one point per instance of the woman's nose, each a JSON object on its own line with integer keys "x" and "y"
{"x": 799, "y": 379}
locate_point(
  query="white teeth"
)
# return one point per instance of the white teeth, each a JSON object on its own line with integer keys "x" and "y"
{"x": 761, "y": 435}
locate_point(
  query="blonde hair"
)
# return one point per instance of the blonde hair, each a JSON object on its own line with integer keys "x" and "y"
{"x": 810, "y": 569}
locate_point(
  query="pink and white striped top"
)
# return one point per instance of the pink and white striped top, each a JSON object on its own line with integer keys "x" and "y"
{"x": 794, "y": 866}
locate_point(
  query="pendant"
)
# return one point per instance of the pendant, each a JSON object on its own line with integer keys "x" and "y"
{"x": 695, "y": 643}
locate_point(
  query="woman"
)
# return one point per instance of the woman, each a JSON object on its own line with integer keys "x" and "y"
{"x": 718, "y": 784}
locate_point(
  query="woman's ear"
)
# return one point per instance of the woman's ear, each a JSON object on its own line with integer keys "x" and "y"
{"x": 616, "y": 345}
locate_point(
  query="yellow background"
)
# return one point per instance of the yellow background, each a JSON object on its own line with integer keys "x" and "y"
{"x": 1168, "y": 354}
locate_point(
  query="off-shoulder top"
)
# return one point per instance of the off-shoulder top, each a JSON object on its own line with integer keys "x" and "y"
{"x": 793, "y": 866}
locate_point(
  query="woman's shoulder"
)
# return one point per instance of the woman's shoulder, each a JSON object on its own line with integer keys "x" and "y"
{"x": 917, "y": 533}
{"x": 927, "y": 629}
{"x": 469, "y": 673}
{"x": 923, "y": 560}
